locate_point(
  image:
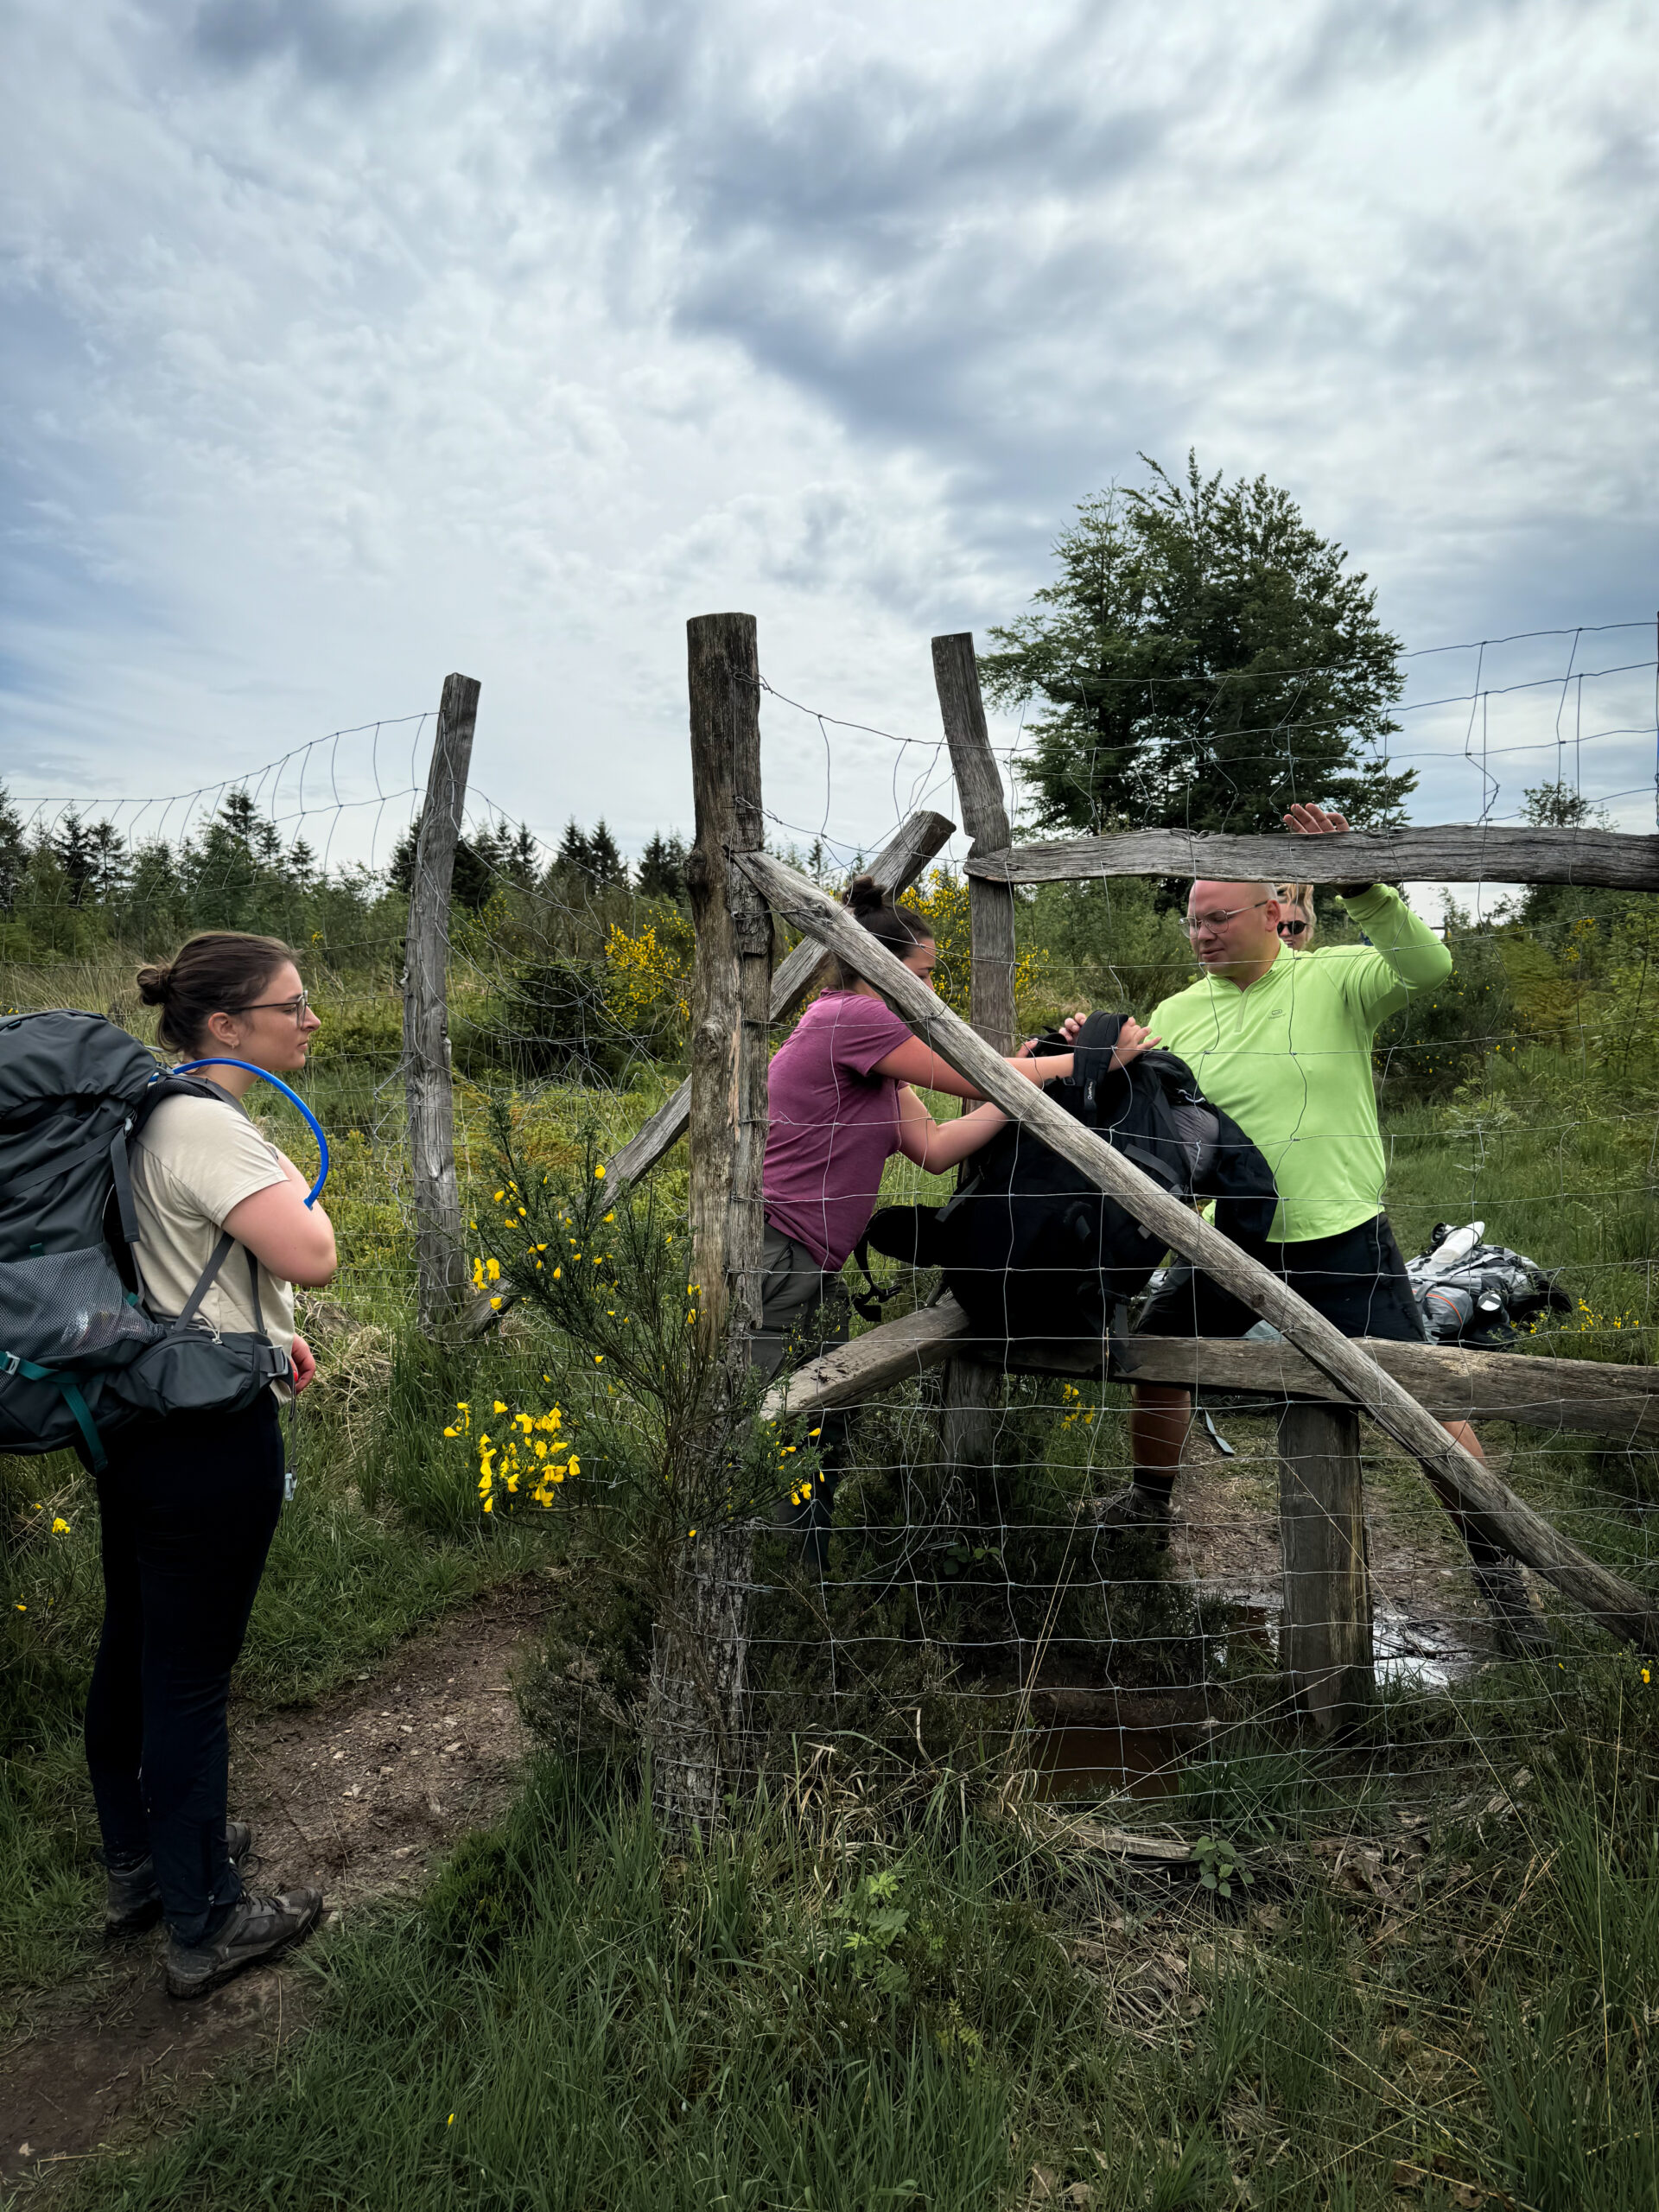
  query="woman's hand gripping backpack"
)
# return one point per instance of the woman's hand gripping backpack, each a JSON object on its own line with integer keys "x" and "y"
{"x": 80, "y": 1353}
{"x": 1031, "y": 1248}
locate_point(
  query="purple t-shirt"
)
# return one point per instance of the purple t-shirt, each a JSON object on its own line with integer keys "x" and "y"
{"x": 832, "y": 1123}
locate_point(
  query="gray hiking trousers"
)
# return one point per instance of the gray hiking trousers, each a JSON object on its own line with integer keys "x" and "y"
{"x": 804, "y": 1310}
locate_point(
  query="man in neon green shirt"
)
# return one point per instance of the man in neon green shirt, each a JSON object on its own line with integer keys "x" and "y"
{"x": 1283, "y": 1041}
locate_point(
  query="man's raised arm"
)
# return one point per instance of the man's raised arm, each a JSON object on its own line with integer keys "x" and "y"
{"x": 1410, "y": 952}
{"x": 1417, "y": 958}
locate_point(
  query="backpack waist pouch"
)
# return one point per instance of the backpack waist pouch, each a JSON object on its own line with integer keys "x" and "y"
{"x": 194, "y": 1369}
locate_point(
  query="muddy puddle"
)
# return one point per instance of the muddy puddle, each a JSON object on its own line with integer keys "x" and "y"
{"x": 1085, "y": 1761}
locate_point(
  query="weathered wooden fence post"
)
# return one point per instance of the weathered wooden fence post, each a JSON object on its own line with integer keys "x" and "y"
{"x": 697, "y": 1697}
{"x": 1326, "y": 1639}
{"x": 440, "y": 1253}
{"x": 973, "y": 1389}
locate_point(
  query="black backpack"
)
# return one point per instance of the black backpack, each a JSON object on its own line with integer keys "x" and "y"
{"x": 80, "y": 1352}
{"x": 1031, "y": 1248}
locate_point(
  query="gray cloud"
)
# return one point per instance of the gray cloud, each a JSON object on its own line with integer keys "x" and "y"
{"x": 329, "y": 42}
{"x": 343, "y": 337}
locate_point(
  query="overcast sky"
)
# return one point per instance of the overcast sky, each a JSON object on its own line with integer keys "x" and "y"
{"x": 347, "y": 343}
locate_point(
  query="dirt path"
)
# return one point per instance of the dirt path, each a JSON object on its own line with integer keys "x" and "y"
{"x": 1430, "y": 1626}
{"x": 356, "y": 1796}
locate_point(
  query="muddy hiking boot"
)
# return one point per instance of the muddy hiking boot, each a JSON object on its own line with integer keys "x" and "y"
{"x": 256, "y": 1931}
{"x": 1520, "y": 1630}
{"x": 132, "y": 1902}
{"x": 1142, "y": 1513}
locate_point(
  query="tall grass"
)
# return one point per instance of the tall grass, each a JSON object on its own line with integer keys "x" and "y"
{"x": 973, "y": 2012}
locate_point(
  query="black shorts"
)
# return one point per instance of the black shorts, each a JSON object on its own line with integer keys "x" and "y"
{"x": 1357, "y": 1280}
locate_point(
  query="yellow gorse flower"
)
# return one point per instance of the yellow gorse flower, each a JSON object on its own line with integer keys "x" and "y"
{"x": 524, "y": 1450}
{"x": 648, "y": 982}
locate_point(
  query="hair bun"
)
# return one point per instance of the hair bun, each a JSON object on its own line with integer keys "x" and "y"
{"x": 864, "y": 895}
{"x": 155, "y": 984}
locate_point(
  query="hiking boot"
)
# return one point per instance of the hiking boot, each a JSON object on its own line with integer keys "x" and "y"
{"x": 132, "y": 1901}
{"x": 1520, "y": 1630}
{"x": 1143, "y": 1510}
{"x": 257, "y": 1931}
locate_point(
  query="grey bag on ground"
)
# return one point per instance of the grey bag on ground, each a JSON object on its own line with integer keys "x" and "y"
{"x": 81, "y": 1354}
{"x": 1479, "y": 1294}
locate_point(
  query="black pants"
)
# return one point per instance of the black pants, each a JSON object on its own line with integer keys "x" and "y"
{"x": 188, "y": 1505}
{"x": 1357, "y": 1280}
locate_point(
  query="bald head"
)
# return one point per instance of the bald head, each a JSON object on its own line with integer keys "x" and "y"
{"x": 1235, "y": 928}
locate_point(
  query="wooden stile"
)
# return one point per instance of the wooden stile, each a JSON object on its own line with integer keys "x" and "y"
{"x": 732, "y": 994}
{"x": 1491, "y": 1507}
{"x": 985, "y": 817}
{"x": 1618, "y": 1403}
{"x": 973, "y": 1389}
{"x": 697, "y": 1696}
{"x": 1325, "y": 1630}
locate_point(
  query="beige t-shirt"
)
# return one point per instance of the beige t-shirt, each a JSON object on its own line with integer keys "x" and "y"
{"x": 194, "y": 1162}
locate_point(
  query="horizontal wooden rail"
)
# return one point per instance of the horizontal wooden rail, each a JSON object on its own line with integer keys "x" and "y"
{"x": 1453, "y": 853}
{"x": 1621, "y": 1403}
{"x": 1492, "y": 1508}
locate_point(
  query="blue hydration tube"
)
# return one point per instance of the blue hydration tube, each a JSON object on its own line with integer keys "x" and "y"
{"x": 190, "y": 1067}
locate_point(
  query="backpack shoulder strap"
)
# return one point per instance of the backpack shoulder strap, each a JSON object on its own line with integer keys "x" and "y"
{"x": 869, "y": 1302}
{"x": 207, "y": 1278}
{"x": 168, "y": 1085}
{"x": 164, "y": 1085}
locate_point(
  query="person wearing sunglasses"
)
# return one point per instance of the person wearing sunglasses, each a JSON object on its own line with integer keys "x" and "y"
{"x": 1298, "y": 924}
{"x": 1280, "y": 1037}
{"x": 188, "y": 1501}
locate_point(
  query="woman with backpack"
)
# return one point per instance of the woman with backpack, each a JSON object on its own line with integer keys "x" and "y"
{"x": 841, "y": 1101}
{"x": 188, "y": 1501}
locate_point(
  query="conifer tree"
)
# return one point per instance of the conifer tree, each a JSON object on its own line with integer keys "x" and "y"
{"x": 1202, "y": 660}
{"x": 607, "y": 870}
{"x": 14, "y": 851}
{"x": 661, "y": 871}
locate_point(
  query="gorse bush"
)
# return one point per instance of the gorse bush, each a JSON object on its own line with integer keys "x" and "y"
{"x": 629, "y": 1373}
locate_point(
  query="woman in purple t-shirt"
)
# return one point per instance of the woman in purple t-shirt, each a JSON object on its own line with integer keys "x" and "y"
{"x": 841, "y": 1103}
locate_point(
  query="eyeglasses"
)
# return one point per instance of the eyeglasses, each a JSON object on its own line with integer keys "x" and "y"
{"x": 1200, "y": 923}
{"x": 1292, "y": 929}
{"x": 297, "y": 1007}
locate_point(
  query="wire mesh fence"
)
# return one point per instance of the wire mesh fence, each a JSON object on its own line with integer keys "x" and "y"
{"x": 960, "y": 1601}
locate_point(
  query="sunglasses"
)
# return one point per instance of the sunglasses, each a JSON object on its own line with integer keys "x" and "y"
{"x": 1292, "y": 929}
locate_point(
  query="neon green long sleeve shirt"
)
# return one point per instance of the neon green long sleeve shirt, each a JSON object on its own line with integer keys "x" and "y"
{"x": 1290, "y": 1059}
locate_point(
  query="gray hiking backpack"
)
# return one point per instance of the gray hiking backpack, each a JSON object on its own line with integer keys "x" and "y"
{"x": 81, "y": 1354}
{"x": 1470, "y": 1293}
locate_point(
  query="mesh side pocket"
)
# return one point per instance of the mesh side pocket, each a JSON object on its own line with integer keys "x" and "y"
{"x": 61, "y": 1308}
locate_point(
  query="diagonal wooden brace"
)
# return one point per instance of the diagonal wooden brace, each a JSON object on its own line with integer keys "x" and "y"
{"x": 1619, "y": 1606}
